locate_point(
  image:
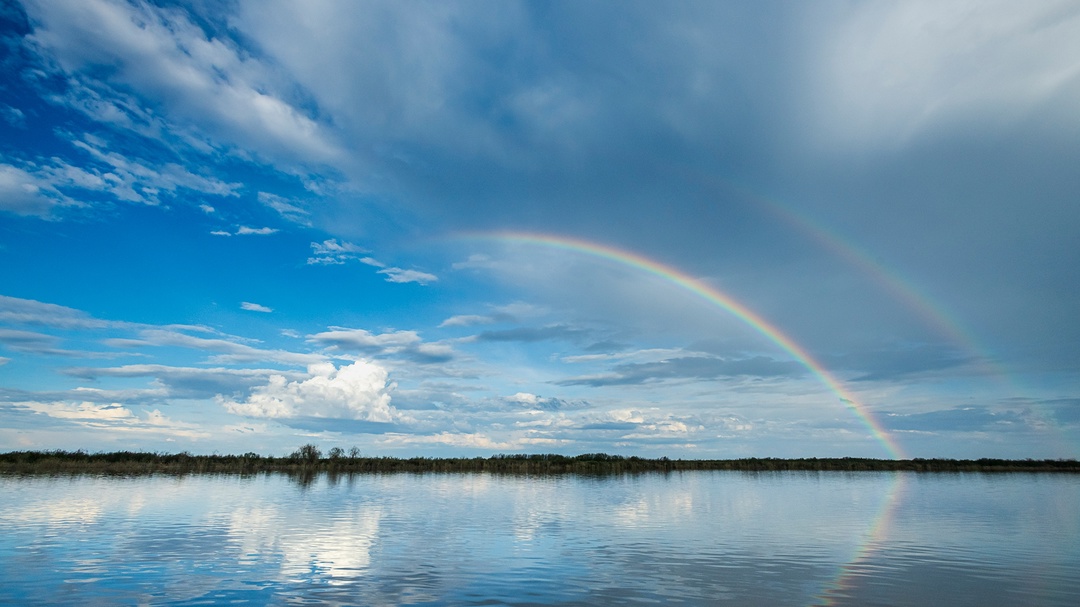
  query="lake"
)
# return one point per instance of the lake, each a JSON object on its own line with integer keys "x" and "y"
{"x": 691, "y": 538}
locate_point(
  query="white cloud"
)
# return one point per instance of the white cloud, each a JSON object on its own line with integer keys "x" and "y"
{"x": 254, "y": 307}
{"x": 36, "y": 189}
{"x": 359, "y": 391}
{"x": 332, "y": 252}
{"x": 220, "y": 233}
{"x": 244, "y": 230}
{"x": 134, "y": 180}
{"x": 21, "y": 194}
{"x": 207, "y": 209}
{"x": 285, "y": 208}
{"x": 467, "y": 320}
{"x": 402, "y": 276}
{"x": 4, "y": 360}
{"x": 508, "y": 313}
{"x": 386, "y": 343}
{"x": 159, "y": 53}
{"x": 474, "y": 440}
{"x": 114, "y": 417}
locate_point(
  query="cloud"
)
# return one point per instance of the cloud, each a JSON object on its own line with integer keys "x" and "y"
{"x": 38, "y": 189}
{"x": 285, "y": 208}
{"x": 36, "y": 343}
{"x": 189, "y": 382}
{"x": 535, "y": 402}
{"x": 113, "y": 417}
{"x": 474, "y": 440}
{"x": 359, "y": 391}
{"x": 406, "y": 344}
{"x": 691, "y": 367}
{"x": 231, "y": 352}
{"x": 244, "y": 230}
{"x": 205, "y": 208}
{"x": 402, "y": 276}
{"x": 254, "y": 307}
{"x": 924, "y": 64}
{"x": 136, "y": 180}
{"x": 162, "y": 55}
{"x": 508, "y": 313}
{"x": 960, "y": 419}
{"x": 332, "y": 252}
{"x": 468, "y": 320}
{"x": 24, "y": 194}
{"x": 534, "y": 334}
{"x": 4, "y": 360}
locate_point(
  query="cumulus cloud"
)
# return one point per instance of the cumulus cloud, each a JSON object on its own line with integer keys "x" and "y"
{"x": 254, "y": 307}
{"x": 359, "y": 391}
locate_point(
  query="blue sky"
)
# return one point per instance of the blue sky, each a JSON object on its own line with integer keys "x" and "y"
{"x": 243, "y": 226}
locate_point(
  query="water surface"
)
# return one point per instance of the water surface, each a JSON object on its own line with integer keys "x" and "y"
{"x": 693, "y": 538}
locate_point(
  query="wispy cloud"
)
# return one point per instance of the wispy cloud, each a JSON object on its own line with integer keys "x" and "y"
{"x": 402, "y": 276}
{"x": 244, "y": 230}
{"x": 231, "y": 352}
{"x": 286, "y": 208}
{"x": 254, "y": 307}
{"x": 332, "y": 252}
{"x": 405, "y": 344}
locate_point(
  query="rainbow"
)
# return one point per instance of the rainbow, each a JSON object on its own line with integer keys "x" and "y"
{"x": 874, "y": 539}
{"x": 922, "y": 304}
{"x": 715, "y": 297}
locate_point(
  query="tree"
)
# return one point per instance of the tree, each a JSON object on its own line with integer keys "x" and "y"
{"x": 336, "y": 453}
{"x": 309, "y": 453}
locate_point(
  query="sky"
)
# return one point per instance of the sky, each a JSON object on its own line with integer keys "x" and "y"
{"x": 682, "y": 229}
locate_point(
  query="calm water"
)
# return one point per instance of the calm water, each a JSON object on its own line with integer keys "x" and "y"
{"x": 681, "y": 539}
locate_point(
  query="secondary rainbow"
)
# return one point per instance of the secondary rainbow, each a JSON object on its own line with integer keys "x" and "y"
{"x": 717, "y": 298}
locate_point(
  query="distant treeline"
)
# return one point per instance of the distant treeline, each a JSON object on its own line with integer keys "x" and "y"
{"x": 308, "y": 460}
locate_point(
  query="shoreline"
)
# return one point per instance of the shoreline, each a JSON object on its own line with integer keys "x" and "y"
{"x": 311, "y": 462}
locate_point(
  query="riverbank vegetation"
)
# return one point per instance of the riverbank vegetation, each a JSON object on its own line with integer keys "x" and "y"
{"x": 309, "y": 459}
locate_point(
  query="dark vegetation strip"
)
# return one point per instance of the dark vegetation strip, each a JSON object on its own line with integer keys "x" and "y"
{"x": 308, "y": 459}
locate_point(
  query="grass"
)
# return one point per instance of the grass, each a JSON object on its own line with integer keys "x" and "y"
{"x": 308, "y": 460}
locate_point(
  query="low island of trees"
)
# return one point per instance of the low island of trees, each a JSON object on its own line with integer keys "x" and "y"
{"x": 309, "y": 459}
